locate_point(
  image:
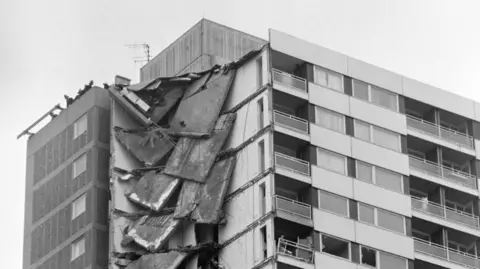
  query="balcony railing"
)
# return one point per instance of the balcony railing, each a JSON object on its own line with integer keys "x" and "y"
{"x": 453, "y": 175}
{"x": 292, "y": 164}
{"x": 445, "y": 253}
{"x": 289, "y": 80}
{"x": 290, "y": 122}
{"x": 293, "y": 207}
{"x": 444, "y": 212}
{"x": 439, "y": 131}
{"x": 295, "y": 250}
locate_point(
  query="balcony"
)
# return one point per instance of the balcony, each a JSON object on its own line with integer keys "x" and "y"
{"x": 446, "y": 213}
{"x": 437, "y": 170}
{"x": 289, "y": 80}
{"x": 293, "y": 207}
{"x": 298, "y": 251}
{"x": 445, "y": 253}
{"x": 290, "y": 122}
{"x": 438, "y": 131}
{"x": 292, "y": 164}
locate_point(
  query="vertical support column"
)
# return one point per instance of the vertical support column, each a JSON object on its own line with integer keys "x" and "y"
{"x": 440, "y": 159}
{"x": 445, "y": 240}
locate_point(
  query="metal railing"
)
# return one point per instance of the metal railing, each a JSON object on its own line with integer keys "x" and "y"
{"x": 290, "y": 122}
{"x": 293, "y": 207}
{"x": 289, "y": 80}
{"x": 435, "y": 169}
{"x": 445, "y": 212}
{"x": 292, "y": 249}
{"x": 440, "y": 131}
{"x": 445, "y": 253}
{"x": 293, "y": 164}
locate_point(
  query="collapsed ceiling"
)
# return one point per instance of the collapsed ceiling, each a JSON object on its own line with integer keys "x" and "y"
{"x": 183, "y": 178}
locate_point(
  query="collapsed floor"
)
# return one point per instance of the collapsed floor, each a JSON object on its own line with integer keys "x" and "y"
{"x": 185, "y": 170}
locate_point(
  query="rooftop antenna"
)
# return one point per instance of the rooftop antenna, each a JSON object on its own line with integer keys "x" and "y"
{"x": 146, "y": 49}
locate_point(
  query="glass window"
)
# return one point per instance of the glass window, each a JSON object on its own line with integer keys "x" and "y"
{"x": 320, "y": 77}
{"x": 78, "y": 206}
{"x": 362, "y": 130}
{"x": 386, "y": 138}
{"x": 79, "y": 165}
{"x": 367, "y": 213}
{"x": 388, "y": 261}
{"x": 330, "y": 120}
{"x": 78, "y": 248}
{"x": 80, "y": 126}
{"x": 388, "y": 179}
{"x": 331, "y": 161}
{"x": 369, "y": 256}
{"x": 334, "y": 246}
{"x": 360, "y": 90}
{"x": 364, "y": 172}
{"x": 334, "y": 203}
{"x": 384, "y": 98}
{"x": 390, "y": 221}
{"x": 334, "y": 81}
{"x": 328, "y": 79}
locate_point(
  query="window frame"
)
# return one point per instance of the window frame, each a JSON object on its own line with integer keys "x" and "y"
{"x": 334, "y": 153}
{"x": 375, "y": 218}
{"x": 82, "y": 198}
{"x": 327, "y": 71}
{"x": 377, "y": 262}
{"x": 369, "y": 94}
{"x": 72, "y": 248}
{"x": 321, "y": 235}
{"x": 74, "y": 169}
{"x": 347, "y": 201}
{"x": 374, "y": 176}
{"x": 371, "y": 134}
{"x": 331, "y": 112}
{"x": 78, "y": 123}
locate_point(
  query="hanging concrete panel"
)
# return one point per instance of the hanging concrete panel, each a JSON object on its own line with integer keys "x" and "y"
{"x": 151, "y": 232}
{"x": 169, "y": 260}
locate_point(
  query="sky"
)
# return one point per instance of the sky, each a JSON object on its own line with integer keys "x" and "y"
{"x": 54, "y": 47}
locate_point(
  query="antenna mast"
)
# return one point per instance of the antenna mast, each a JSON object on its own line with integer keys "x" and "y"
{"x": 146, "y": 49}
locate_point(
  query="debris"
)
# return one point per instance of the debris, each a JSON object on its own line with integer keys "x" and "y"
{"x": 169, "y": 260}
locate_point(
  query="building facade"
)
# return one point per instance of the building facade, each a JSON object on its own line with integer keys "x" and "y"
{"x": 333, "y": 163}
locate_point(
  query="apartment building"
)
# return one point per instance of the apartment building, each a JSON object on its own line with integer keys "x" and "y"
{"x": 291, "y": 156}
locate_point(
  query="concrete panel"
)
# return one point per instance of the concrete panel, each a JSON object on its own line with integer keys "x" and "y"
{"x": 477, "y": 148}
{"x": 307, "y": 51}
{"x": 379, "y": 116}
{"x": 290, "y": 90}
{"x": 477, "y": 111}
{"x": 292, "y": 132}
{"x": 382, "y": 198}
{"x": 332, "y": 182}
{"x": 331, "y": 140}
{"x": 330, "y": 261}
{"x": 294, "y": 262}
{"x": 328, "y": 99}
{"x": 384, "y": 240}
{"x": 333, "y": 224}
{"x": 374, "y": 75}
{"x": 379, "y": 156}
{"x": 443, "y": 99}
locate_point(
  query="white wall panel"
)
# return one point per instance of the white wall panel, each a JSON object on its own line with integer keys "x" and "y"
{"x": 329, "y": 99}
{"x": 332, "y": 182}
{"x": 377, "y": 115}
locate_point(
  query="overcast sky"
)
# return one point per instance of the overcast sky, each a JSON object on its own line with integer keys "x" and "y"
{"x": 51, "y": 48}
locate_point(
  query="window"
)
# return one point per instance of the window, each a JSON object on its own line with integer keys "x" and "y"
{"x": 78, "y": 248}
{"x": 368, "y": 256}
{"x": 328, "y": 79}
{"x": 260, "y": 113}
{"x": 262, "y": 199}
{"x": 336, "y": 247}
{"x": 261, "y": 156}
{"x": 263, "y": 231}
{"x": 375, "y": 95}
{"x": 387, "y": 179}
{"x": 391, "y": 261}
{"x": 377, "y": 135}
{"x": 334, "y": 203}
{"x": 332, "y": 161}
{"x": 80, "y": 126}
{"x": 331, "y": 120}
{"x": 364, "y": 172}
{"x": 259, "y": 72}
{"x": 421, "y": 235}
{"x": 79, "y": 166}
{"x": 78, "y": 206}
{"x": 381, "y": 218}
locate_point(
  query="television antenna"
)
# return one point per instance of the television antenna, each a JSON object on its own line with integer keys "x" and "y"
{"x": 146, "y": 49}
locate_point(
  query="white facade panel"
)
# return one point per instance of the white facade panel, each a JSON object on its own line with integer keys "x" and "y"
{"x": 439, "y": 98}
{"x": 379, "y": 156}
{"x": 477, "y": 148}
{"x": 374, "y": 75}
{"x": 377, "y": 115}
{"x": 333, "y": 224}
{"x": 384, "y": 240}
{"x": 307, "y": 51}
{"x": 477, "y": 111}
{"x": 329, "y": 261}
{"x": 332, "y": 182}
{"x": 330, "y": 140}
{"x": 329, "y": 99}
{"x": 382, "y": 198}
{"x": 286, "y": 259}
